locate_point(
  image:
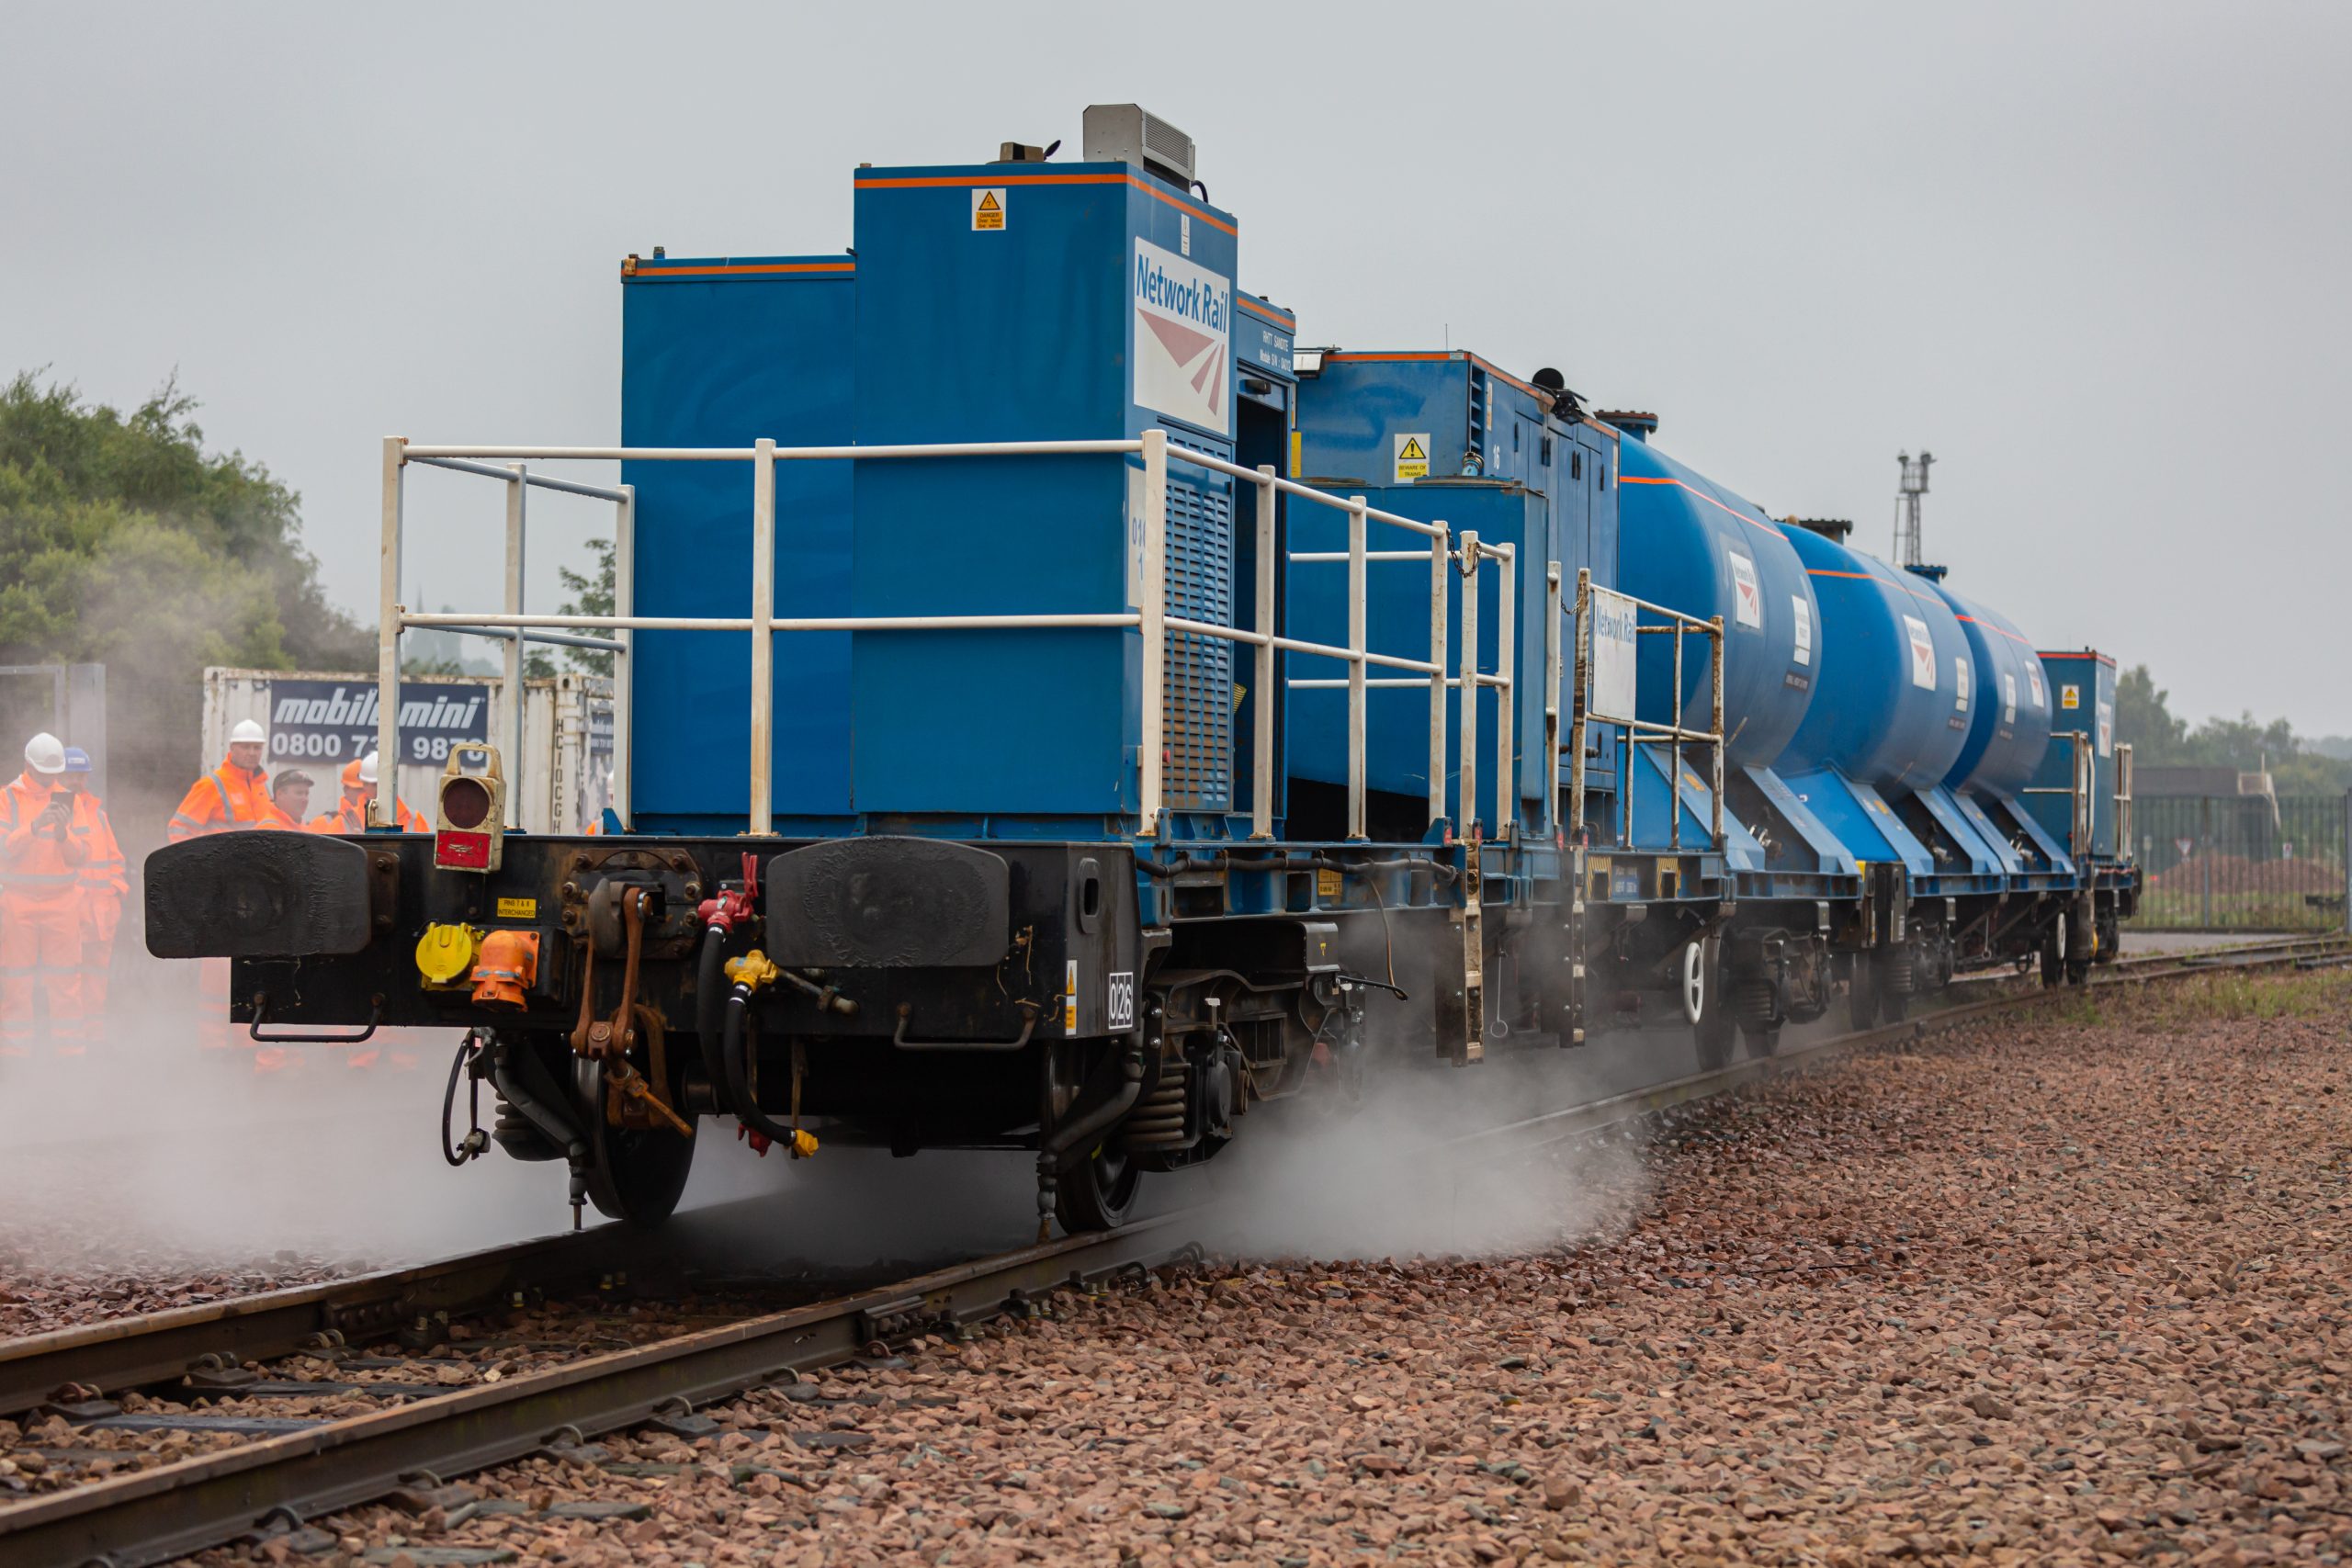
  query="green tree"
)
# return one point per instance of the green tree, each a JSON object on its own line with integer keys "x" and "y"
{"x": 100, "y": 511}
{"x": 124, "y": 541}
{"x": 2143, "y": 717}
{"x": 592, "y": 595}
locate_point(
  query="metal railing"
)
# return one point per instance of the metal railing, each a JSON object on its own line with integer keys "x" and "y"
{"x": 1149, "y": 615}
{"x": 1637, "y": 732}
{"x": 1443, "y": 562}
{"x": 2125, "y": 818}
{"x": 2081, "y": 773}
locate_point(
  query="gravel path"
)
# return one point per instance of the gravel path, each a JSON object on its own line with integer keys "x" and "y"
{"x": 2072, "y": 1290}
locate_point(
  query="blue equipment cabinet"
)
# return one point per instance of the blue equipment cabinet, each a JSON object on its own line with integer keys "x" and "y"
{"x": 1396, "y": 719}
{"x": 1404, "y": 428}
{"x": 2082, "y": 687}
{"x": 1093, "y": 301}
{"x": 719, "y": 352}
{"x": 1397, "y": 418}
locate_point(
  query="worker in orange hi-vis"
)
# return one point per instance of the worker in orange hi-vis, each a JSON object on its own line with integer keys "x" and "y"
{"x": 230, "y": 798}
{"x": 105, "y": 884}
{"x": 350, "y": 813}
{"x": 40, "y": 918}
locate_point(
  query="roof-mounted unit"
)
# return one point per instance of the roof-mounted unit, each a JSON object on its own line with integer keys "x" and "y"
{"x": 1128, "y": 133}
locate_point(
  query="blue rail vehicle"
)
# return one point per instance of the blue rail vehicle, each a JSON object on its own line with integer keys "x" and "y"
{"x": 1600, "y": 926}
{"x": 1890, "y": 717}
{"x": 1694, "y": 545}
{"x": 2081, "y": 795}
{"x": 2009, "y": 734}
{"x": 1062, "y": 717}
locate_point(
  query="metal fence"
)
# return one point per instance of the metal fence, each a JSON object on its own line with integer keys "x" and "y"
{"x": 2242, "y": 862}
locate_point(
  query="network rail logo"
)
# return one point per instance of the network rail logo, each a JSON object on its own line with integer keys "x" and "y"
{"x": 1183, "y": 336}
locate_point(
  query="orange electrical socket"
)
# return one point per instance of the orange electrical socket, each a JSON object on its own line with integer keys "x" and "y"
{"x": 508, "y": 966}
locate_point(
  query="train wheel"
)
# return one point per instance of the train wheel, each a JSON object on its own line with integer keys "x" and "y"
{"x": 2053, "y": 955}
{"x": 1098, "y": 1193}
{"x": 1694, "y": 983}
{"x": 1714, "y": 1026}
{"x": 634, "y": 1174}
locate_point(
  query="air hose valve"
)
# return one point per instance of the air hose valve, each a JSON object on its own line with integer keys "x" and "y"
{"x": 752, "y": 972}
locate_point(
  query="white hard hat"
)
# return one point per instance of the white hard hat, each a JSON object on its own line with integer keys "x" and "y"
{"x": 45, "y": 753}
{"x": 367, "y": 768}
{"x": 246, "y": 730}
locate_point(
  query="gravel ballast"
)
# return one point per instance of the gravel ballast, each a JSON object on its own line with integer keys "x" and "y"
{"x": 2069, "y": 1288}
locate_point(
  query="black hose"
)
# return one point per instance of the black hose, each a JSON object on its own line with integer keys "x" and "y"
{"x": 746, "y": 1108}
{"x": 467, "y": 1051}
{"x": 710, "y": 1001}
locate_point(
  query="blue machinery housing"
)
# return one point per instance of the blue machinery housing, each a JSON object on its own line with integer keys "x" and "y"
{"x": 1145, "y": 719}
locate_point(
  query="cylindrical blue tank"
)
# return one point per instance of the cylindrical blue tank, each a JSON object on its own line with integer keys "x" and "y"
{"x": 2010, "y": 728}
{"x": 1897, "y": 683}
{"x": 1688, "y": 544}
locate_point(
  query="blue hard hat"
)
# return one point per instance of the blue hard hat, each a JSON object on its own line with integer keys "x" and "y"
{"x": 76, "y": 759}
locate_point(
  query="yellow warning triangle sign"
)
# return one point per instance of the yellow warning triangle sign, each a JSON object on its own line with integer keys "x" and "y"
{"x": 988, "y": 202}
{"x": 1412, "y": 452}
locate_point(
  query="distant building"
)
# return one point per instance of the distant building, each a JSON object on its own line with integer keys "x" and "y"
{"x": 2205, "y": 784}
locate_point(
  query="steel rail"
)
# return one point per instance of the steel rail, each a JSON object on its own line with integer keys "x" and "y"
{"x": 152, "y": 1515}
{"x": 157, "y": 1346}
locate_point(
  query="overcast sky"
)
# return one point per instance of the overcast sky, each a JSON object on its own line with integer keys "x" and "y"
{"x": 2096, "y": 256}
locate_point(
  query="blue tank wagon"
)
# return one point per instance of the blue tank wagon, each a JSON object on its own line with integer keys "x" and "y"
{"x": 1144, "y": 720}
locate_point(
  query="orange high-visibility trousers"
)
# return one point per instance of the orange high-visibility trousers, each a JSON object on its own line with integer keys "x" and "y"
{"x": 40, "y": 962}
{"x": 101, "y": 918}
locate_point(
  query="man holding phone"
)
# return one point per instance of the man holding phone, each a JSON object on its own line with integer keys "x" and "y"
{"x": 40, "y": 910}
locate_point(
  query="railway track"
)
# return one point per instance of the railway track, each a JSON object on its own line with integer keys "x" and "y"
{"x": 1633, "y": 1105}
{"x": 271, "y": 1485}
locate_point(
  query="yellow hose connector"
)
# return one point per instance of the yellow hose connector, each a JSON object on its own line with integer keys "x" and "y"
{"x": 752, "y": 970}
{"x": 444, "y": 954}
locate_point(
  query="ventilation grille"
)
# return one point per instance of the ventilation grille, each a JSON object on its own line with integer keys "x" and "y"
{"x": 1128, "y": 133}
{"x": 1167, "y": 143}
{"x": 1198, "y": 689}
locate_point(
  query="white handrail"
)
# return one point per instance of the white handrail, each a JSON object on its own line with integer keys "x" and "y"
{"x": 1639, "y": 732}
{"x": 1149, "y": 615}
